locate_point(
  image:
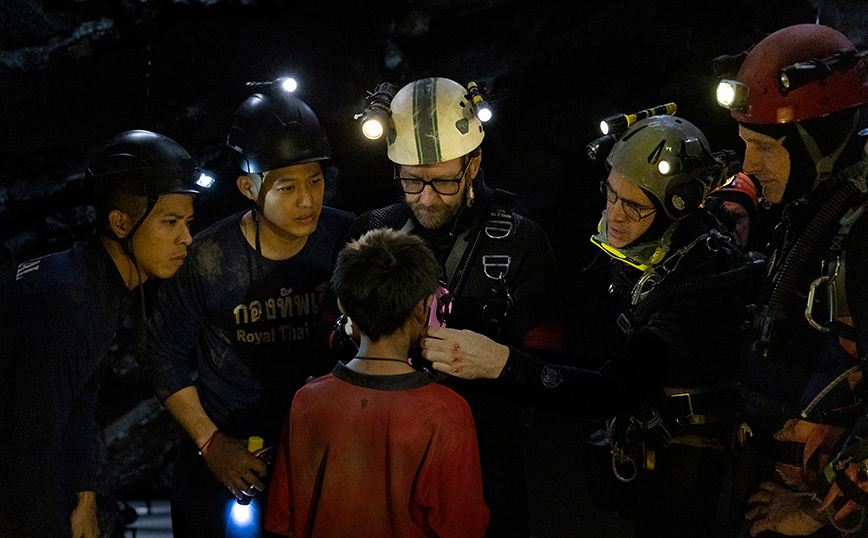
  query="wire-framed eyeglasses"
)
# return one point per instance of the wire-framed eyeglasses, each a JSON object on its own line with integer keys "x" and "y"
{"x": 446, "y": 187}
{"x": 634, "y": 211}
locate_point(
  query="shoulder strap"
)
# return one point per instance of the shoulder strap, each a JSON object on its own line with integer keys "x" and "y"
{"x": 492, "y": 236}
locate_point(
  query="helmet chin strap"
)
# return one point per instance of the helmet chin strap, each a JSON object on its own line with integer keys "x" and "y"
{"x": 126, "y": 242}
{"x": 824, "y": 164}
{"x": 260, "y": 202}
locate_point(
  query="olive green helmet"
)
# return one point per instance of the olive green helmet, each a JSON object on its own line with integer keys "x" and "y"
{"x": 669, "y": 158}
{"x": 434, "y": 121}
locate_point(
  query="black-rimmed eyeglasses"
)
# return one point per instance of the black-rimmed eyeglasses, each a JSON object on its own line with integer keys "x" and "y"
{"x": 446, "y": 187}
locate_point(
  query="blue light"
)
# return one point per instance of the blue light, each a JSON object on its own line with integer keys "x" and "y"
{"x": 243, "y": 520}
{"x": 241, "y": 514}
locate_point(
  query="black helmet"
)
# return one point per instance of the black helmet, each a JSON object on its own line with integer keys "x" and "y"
{"x": 139, "y": 163}
{"x": 275, "y": 129}
{"x": 142, "y": 163}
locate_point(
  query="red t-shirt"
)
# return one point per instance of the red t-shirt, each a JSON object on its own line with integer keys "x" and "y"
{"x": 377, "y": 456}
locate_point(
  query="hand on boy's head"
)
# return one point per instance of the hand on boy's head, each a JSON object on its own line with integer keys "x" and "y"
{"x": 238, "y": 470}
{"x": 463, "y": 353}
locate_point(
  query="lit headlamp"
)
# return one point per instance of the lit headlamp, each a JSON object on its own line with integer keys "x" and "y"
{"x": 613, "y": 126}
{"x": 205, "y": 181}
{"x": 620, "y": 122}
{"x": 287, "y": 84}
{"x": 732, "y": 94}
{"x": 670, "y": 166}
{"x": 377, "y": 115}
{"x": 480, "y": 105}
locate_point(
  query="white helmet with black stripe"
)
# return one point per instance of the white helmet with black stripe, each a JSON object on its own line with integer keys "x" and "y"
{"x": 434, "y": 121}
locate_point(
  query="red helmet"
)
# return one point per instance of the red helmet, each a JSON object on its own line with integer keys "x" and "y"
{"x": 766, "y": 104}
{"x": 738, "y": 188}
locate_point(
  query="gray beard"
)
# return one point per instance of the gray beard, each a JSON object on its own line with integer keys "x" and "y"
{"x": 435, "y": 220}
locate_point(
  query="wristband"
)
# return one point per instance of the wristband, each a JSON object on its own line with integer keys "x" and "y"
{"x": 208, "y": 443}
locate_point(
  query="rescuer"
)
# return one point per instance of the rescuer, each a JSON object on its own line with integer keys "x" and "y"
{"x": 797, "y": 98}
{"x": 497, "y": 265}
{"x": 248, "y": 310}
{"x": 663, "y": 308}
{"x": 60, "y": 315}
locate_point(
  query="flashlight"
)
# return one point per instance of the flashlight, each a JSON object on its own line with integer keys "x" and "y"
{"x": 619, "y": 122}
{"x": 600, "y": 147}
{"x": 377, "y": 115}
{"x": 254, "y": 444}
{"x": 483, "y": 111}
{"x": 793, "y": 77}
{"x": 287, "y": 84}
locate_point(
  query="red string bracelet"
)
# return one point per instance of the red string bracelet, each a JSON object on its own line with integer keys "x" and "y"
{"x": 208, "y": 443}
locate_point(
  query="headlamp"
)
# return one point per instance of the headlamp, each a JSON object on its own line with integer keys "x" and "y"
{"x": 287, "y": 84}
{"x": 377, "y": 115}
{"x": 671, "y": 166}
{"x": 797, "y": 75}
{"x": 205, "y": 181}
{"x": 613, "y": 126}
{"x": 600, "y": 147}
{"x": 619, "y": 122}
{"x": 732, "y": 94}
{"x": 483, "y": 111}
{"x": 372, "y": 126}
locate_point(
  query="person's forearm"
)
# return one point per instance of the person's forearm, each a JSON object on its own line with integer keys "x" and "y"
{"x": 187, "y": 410}
{"x": 599, "y": 393}
{"x": 227, "y": 457}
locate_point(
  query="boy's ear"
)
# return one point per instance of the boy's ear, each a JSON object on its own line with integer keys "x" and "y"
{"x": 120, "y": 223}
{"x": 341, "y": 308}
{"x": 247, "y": 186}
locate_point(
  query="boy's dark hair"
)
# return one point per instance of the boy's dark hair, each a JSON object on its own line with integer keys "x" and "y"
{"x": 381, "y": 277}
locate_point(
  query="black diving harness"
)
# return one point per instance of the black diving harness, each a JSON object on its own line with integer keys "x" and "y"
{"x": 651, "y": 291}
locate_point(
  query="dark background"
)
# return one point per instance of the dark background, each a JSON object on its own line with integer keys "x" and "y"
{"x": 73, "y": 73}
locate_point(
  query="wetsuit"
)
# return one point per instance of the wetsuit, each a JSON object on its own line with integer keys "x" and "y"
{"x": 682, "y": 338}
{"x": 802, "y": 385}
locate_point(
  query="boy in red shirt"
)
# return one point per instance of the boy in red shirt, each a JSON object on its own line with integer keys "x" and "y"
{"x": 375, "y": 448}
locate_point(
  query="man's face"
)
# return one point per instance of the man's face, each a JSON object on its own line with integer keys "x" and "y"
{"x": 629, "y": 211}
{"x": 766, "y": 159}
{"x": 742, "y": 221}
{"x": 160, "y": 243}
{"x": 432, "y": 209}
{"x": 293, "y": 200}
